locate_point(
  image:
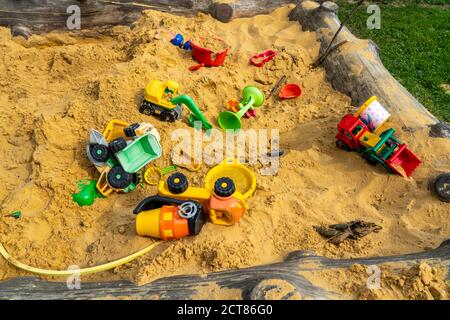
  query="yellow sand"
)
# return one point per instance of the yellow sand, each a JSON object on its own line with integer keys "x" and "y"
{"x": 55, "y": 87}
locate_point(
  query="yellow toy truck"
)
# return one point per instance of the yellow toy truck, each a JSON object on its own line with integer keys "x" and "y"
{"x": 157, "y": 100}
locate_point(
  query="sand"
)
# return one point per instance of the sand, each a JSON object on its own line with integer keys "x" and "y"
{"x": 55, "y": 87}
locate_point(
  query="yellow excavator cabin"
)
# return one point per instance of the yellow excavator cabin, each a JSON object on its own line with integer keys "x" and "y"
{"x": 160, "y": 93}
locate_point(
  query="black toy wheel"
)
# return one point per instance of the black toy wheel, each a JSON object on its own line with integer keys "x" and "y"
{"x": 168, "y": 116}
{"x": 99, "y": 152}
{"x": 147, "y": 108}
{"x": 372, "y": 162}
{"x": 177, "y": 183}
{"x": 130, "y": 131}
{"x": 442, "y": 187}
{"x": 224, "y": 187}
{"x": 342, "y": 145}
{"x": 118, "y": 178}
{"x": 117, "y": 144}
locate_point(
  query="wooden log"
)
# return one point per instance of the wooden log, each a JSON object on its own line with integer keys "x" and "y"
{"x": 251, "y": 282}
{"x": 356, "y": 69}
{"x": 38, "y": 16}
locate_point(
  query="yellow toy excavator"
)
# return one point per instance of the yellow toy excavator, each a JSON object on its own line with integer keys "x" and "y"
{"x": 157, "y": 100}
{"x": 162, "y": 99}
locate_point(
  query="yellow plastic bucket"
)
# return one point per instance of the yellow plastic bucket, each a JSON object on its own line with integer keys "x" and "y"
{"x": 147, "y": 223}
{"x": 373, "y": 114}
{"x": 244, "y": 179}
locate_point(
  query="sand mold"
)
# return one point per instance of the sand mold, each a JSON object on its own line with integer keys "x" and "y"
{"x": 55, "y": 87}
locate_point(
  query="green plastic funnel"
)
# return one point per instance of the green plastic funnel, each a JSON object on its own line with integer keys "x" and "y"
{"x": 229, "y": 120}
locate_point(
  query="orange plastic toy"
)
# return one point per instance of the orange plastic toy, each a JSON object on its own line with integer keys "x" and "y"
{"x": 290, "y": 91}
{"x": 168, "y": 218}
{"x": 223, "y": 205}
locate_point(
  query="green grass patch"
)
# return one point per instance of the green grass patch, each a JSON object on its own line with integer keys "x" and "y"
{"x": 415, "y": 46}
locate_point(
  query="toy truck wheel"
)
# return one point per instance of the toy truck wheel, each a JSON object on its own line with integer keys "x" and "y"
{"x": 118, "y": 178}
{"x": 342, "y": 145}
{"x": 147, "y": 108}
{"x": 224, "y": 187}
{"x": 371, "y": 161}
{"x": 169, "y": 116}
{"x": 117, "y": 144}
{"x": 99, "y": 152}
{"x": 441, "y": 187}
{"x": 177, "y": 183}
{"x": 130, "y": 131}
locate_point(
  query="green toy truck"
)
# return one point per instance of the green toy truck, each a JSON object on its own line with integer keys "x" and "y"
{"x": 120, "y": 152}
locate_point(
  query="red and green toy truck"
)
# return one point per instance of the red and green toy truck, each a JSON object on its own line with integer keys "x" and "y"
{"x": 384, "y": 149}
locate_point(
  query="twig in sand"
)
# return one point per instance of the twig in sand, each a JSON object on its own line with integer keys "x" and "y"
{"x": 277, "y": 86}
{"x": 328, "y": 50}
{"x": 354, "y": 230}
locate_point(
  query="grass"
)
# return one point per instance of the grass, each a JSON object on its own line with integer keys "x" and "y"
{"x": 415, "y": 46}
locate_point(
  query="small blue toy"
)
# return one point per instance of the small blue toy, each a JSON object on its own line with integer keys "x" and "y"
{"x": 178, "y": 41}
{"x": 187, "y": 45}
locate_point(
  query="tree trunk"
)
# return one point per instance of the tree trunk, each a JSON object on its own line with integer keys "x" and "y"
{"x": 36, "y": 16}
{"x": 252, "y": 283}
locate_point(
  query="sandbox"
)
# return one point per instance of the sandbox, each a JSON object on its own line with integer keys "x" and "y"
{"x": 56, "y": 86}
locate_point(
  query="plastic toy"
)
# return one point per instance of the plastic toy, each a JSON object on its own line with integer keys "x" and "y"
{"x": 196, "y": 114}
{"x": 120, "y": 152}
{"x": 373, "y": 114}
{"x": 155, "y": 102}
{"x": 261, "y": 59}
{"x": 290, "y": 91}
{"x": 153, "y": 175}
{"x": 385, "y": 149}
{"x": 251, "y": 97}
{"x": 87, "y": 194}
{"x": 16, "y": 214}
{"x": 223, "y": 205}
{"x": 441, "y": 187}
{"x": 206, "y": 57}
{"x": 178, "y": 41}
{"x": 168, "y": 218}
{"x": 243, "y": 178}
{"x": 70, "y": 272}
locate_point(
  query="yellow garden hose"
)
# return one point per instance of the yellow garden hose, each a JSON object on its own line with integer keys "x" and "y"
{"x": 90, "y": 270}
